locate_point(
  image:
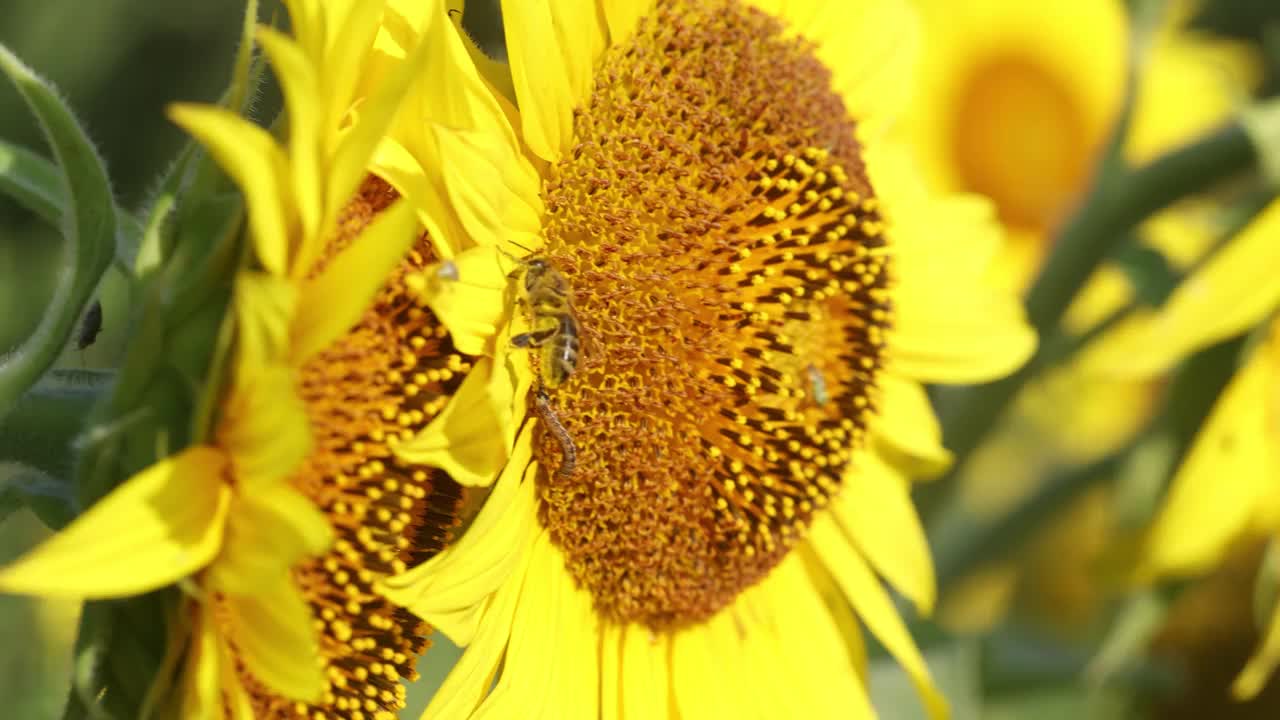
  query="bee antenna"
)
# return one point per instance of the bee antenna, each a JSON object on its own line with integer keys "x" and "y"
{"x": 522, "y": 247}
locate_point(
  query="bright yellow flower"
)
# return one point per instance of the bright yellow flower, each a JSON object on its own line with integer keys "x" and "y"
{"x": 761, "y": 287}
{"x": 294, "y": 508}
{"x": 1225, "y": 489}
{"x": 1016, "y": 99}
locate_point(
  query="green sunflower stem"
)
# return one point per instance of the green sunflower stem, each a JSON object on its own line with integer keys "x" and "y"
{"x": 1119, "y": 201}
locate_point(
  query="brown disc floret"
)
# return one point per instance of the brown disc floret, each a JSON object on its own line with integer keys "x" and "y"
{"x": 730, "y": 271}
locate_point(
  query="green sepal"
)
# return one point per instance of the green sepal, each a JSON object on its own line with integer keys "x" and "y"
{"x": 88, "y": 226}
{"x": 207, "y": 250}
{"x": 119, "y": 647}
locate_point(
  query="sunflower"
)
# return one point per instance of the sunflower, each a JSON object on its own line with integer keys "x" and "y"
{"x": 695, "y": 520}
{"x": 289, "y": 514}
{"x": 1014, "y": 104}
{"x": 1224, "y": 492}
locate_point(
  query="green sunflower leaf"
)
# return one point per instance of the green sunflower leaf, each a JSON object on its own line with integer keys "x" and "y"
{"x": 87, "y": 222}
{"x": 32, "y": 181}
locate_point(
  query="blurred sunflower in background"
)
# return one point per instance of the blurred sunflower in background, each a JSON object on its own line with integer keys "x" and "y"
{"x": 758, "y": 286}
{"x": 295, "y": 506}
{"x": 1017, "y": 101}
{"x": 1224, "y": 492}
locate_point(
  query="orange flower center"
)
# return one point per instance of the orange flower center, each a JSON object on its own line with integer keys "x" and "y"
{"x": 729, "y": 272}
{"x": 1019, "y": 138}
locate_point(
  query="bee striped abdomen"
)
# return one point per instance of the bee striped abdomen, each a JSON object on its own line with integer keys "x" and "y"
{"x": 560, "y": 355}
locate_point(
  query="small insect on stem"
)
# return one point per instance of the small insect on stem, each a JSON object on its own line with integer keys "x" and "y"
{"x": 90, "y": 326}
{"x": 568, "y": 451}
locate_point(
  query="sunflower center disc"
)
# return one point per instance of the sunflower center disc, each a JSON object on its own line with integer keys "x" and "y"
{"x": 377, "y": 385}
{"x": 729, "y": 270}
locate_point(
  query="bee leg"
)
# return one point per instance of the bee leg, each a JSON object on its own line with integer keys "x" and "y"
{"x": 538, "y": 336}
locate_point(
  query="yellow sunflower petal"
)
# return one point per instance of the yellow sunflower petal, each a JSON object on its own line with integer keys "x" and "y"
{"x": 621, "y": 17}
{"x": 161, "y": 525}
{"x": 332, "y": 303}
{"x": 1219, "y": 74}
{"x": 875, "y": 608}
{"x": 465, "y": 686}
{"x": 871, "y": 68}
{"x": 948, "y": 330}
{"x": 402, "y": 169}
{"x": 1232, "y": 292}
{"x": 451, "y": 94}
{"x": 474, "y": 306}
{"x": 251, "y": 156}
{"x": 821, "y": 669}
{"x": 704, "y": 683}
{"x": 501, "y": 210}
{"x": 977, "y": 337}
{"x": 644, "y": 671}
{"x": 269, "y": 531}
{"x": 580, "y": 37}
{"x": 769, "y": 693}
{"x": 578, "y": 677}
{"x": 842, "y": 616}
{"x": 874, "y": 507}
{"x": 908, "y": 426}
{"x": 541, "y": 74}
{"x": 300, "y": 87}
{"x": 466, "y": 438}
{"x": 525, "y": 687}
{"x": 276, "y": 638}
{"x": 1262, "y": 664}
{"x": 953, "y": 323}
{"x": 1225, "y": 477}
{"x": 611, "y": 671}
{"x": 265, "y": 429}
{"x": 235, "y": 703}
{"x": 351, "y": 158}
{"x": 448, "y": 589}
{"x": 201, "y": 697}
{"x": 264, "y": 306}
{"x": 454, "y": 93}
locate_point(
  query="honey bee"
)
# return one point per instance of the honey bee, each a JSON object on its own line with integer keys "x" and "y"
{"x": 553, "y": 327}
